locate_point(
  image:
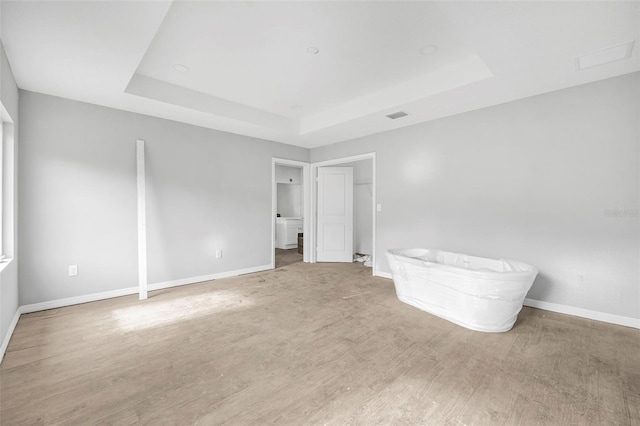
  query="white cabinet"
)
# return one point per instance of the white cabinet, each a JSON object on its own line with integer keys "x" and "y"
{"x": 287, "y": 230}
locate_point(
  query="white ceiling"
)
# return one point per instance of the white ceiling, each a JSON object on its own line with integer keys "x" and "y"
{"x": 250, "y": 72}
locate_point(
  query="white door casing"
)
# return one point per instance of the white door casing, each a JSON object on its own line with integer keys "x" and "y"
{"x": 335, "y": 214}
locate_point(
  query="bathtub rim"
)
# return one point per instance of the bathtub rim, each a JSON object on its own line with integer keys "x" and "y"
{"x": 506, "y": 275}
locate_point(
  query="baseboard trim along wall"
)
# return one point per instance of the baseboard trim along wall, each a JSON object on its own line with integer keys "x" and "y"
{"x": 7, "y": 337}
{"x": 383, "y": 274}
{"x": 193, "y": 280}
{"x": 565, "y": 309}
{"x": 70, "y": 301}
{"x": 584, "y": 313}
{"x": 76, "y": 300}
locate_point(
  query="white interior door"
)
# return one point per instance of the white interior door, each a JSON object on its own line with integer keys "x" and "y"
{"x": 335, "y": 214}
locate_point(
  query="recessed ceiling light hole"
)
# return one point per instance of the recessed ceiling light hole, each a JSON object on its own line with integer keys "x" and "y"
{"x": 181, "y": 68}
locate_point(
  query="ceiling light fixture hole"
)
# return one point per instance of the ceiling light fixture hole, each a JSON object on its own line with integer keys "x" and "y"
{"x": 181, "y": 68}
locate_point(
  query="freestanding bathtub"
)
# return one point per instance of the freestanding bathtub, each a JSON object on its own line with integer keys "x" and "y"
{"x": 474, "y": 292}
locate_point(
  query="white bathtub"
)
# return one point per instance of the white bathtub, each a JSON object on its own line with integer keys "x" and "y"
{"x": 474, "y": 292}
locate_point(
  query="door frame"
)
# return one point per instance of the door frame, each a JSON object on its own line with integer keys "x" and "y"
{"x": 313, "y": 225}
{"x": 306, "y": 209}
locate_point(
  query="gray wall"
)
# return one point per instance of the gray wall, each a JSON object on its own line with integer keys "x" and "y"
{"x": 289, "y": 191}
{"x": 289, "y": 200}
{"x": 530, "y": 180}
{"x": 9, "y": 275}
{"x": 206, "y": 190}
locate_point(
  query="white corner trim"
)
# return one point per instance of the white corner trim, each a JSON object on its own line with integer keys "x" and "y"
{"x": 202, "y": 278}
{"x": 7, "y": 337}
{"x": 4, "y": 262}
{"x": 142, "y": 221}
{"x": 76, "y": 300}
{"x": 382, "y": 274}
{"x": 584, "y": 313}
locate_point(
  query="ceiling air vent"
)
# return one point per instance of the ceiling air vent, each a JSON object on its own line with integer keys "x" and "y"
{"x": 397, "y": 115}
{"x": 604, "y": 56}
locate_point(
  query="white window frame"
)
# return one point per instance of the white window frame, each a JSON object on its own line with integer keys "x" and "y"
{"x": 2, "y": 180}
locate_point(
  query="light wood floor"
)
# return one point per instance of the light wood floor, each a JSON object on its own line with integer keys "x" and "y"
{"x": 310, "y": 344}
{"x": 287, "y": 257}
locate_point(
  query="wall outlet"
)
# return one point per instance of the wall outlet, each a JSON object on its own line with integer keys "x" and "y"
{"x": 218, "y": 254}
{"x": 379, "y": 207}
{"x": 73, "y": 270}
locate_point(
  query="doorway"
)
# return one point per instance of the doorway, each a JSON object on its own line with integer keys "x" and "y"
{"x": 363, "y": 211}
{"x": 290, "y": 212}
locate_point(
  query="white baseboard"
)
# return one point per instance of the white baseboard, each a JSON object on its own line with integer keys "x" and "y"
{"x": 584, "y": 313}
{"x": 193, "y": 280}
{"x": 383, "y": 274}
{"x": 76, "y": 300}
{"x": 7, "y": 337}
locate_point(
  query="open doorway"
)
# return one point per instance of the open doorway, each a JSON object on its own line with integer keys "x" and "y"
{"x": 362, "y": 192}
{"x": 290, "y": 212}
{"x": 362, "y": 210}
